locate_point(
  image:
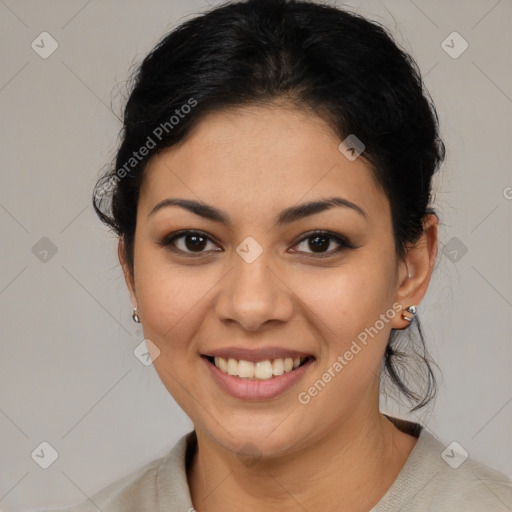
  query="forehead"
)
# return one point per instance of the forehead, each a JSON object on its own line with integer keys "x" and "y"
{"x": 260, "y": 159}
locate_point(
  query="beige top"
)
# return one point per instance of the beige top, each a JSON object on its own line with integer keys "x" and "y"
{"x": 426, "y": 483}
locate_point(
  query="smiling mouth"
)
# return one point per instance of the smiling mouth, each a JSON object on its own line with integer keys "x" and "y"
{"x": 260, "y": 370}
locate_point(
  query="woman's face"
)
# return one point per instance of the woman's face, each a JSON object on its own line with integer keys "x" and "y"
{"x": 256, "y": 283}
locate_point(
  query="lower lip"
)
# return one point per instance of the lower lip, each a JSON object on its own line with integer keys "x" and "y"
{"x": 249, "y": 389}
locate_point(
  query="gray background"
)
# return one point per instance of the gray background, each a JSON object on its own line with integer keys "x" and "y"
{"x": 68, "y": 375}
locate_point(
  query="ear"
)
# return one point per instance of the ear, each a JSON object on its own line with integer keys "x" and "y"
{"x": 128, "y": 275}
{"x": 415, "y": 270}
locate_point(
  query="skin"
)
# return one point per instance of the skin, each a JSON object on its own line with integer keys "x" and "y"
{"x": 252, "y": 162}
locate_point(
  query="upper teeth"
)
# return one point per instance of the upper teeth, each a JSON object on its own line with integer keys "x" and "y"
{"x": 263, "y": 370}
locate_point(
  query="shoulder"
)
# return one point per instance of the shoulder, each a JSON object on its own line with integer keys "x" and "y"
{"x": 139, "y": 490}
{"x": 439, "y": 478}
{"x": 477, "y": 487}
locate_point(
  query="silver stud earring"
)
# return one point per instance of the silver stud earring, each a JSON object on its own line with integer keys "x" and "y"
{"x": 135, "y": 317}
{"x": 410, "y": 313}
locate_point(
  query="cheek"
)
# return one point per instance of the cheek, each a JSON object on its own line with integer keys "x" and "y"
{"x": 347, "y": 309}
{"x": 172, "y": 299}
{"x": 347, "y": 300}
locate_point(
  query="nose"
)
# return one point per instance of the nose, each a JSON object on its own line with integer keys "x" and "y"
{"x": 253, "y": 295}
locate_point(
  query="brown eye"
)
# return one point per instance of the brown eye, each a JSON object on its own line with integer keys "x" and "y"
{"x": 195, "y": 242}
{"x": 188, "y": 242}
{"x": 319, "y": 243}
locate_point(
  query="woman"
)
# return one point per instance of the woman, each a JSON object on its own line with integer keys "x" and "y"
{"x": 271, "y": 195}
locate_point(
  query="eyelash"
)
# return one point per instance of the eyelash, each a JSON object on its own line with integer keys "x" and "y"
{"x": 344, "y": 243}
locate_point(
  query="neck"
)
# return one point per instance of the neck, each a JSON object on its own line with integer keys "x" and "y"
{"x": 352, "y": 468}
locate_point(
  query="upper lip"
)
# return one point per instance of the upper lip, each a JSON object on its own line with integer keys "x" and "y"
{"x": 254, "y": 355}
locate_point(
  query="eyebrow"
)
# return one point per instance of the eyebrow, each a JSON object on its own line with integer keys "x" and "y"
{"x": 287, "y": 216}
